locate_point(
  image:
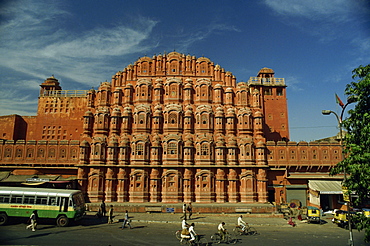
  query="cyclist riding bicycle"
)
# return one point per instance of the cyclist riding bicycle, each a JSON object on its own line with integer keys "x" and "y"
{"x": 193, "y": 234}
{"x": 222, "y": 230}
{"x": 184, "y": 227}
{"x": 242, "y": 223}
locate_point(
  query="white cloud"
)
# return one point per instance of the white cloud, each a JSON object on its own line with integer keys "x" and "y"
{"x": 188, "y": 38}
{"x": 334, "y": 10}
{"x": 35, "y": 43}
{"x": 293, "y": 83}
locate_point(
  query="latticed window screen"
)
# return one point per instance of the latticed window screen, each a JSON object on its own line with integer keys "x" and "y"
{"x": 139, "y": 149}
{"x": 141, "y": 118}
{"x": 172, "y": 119}
{"x": 172, "y": 148}
{"x": 204, "y": 149}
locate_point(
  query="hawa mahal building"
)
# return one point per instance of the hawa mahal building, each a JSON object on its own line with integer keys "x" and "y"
{"x": 172, "y": 128}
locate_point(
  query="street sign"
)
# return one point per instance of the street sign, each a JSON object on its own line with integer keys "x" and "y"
{"x": 345, "y": 194}
{"x": 170, "y": 210}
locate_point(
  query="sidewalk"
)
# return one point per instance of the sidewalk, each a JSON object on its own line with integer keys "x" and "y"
{"x": 214, "y": 219}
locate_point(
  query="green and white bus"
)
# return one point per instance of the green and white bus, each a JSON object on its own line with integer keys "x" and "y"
{"x": 62, "y": 205}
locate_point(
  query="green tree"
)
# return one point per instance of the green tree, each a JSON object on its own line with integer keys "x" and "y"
{"x": 356, "y": 163}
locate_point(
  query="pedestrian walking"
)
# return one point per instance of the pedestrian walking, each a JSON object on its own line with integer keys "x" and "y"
{"x": 184, "y": 212}
{"x": 110, "y": 215}
{"x": 33, "y": 220}
{"x": 126, "y": 221}
{"x": 103, "y": 209}
{"x": 190, "y": 210}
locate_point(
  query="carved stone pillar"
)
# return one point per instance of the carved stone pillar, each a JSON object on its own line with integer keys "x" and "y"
{"x": 155, "y": 186}
{"x": 232, "y": 190}
{"x": 122, "y": 186}
{"x": 188, "y": 186}
{"x": 220, "y": 186}
{"x": 262, "y": 185}
{"x": 96, "y": 185}
{"x": 110, "y": 180}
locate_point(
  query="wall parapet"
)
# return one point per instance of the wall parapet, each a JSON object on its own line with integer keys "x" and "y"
{"x": 64, "y": 93}
{"x": 303, "y": 143}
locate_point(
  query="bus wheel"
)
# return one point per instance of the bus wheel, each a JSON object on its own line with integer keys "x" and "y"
{"x": 62, "y": 221}
{"x": 3, "y": 219}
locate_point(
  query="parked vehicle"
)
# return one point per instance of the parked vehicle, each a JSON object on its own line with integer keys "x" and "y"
{"x": 341, "y": 218}
{"x": 62, "y": 205}
{"x": 313, "y": 215}
{"x": 366, "y": 212}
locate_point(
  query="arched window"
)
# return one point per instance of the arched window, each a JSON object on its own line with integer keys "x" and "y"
{"x": 204, "y": 149}
{"x": 30, "y": 153}
{"x": 173, "y": 90}
{"x": 19, "y": 153}
{"x": 62, "y": 153}
{"x": 204, "y": 119}
{"x": 143, "y": 91}
{"x": 243, "y": 97}
{"x": 172, "y": 148}
{"x": 139, "y": 149}
{"x": 141, "y": 118}
{"x": 51, "y": 153}
{"x": 203, "y": 91}
{"x": 172, "y": 119}
{"x": 144, "y": 68}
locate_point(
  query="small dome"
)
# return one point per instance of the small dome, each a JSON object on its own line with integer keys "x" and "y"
{"x": 52, "y": 78}
{"x": 88, "y": 113}
{"x": 266, "y": 71}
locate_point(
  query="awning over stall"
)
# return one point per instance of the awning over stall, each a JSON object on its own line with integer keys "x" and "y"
{"x": 326, "y": 186}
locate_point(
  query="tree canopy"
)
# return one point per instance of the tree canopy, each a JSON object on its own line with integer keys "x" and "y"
{"x": 356, "y": 163}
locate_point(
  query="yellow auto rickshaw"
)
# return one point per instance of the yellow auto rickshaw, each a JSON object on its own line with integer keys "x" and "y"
{"x": 313, "y": 215}
{"x": 366, "y": 212}
{"x": 341, "y": 218}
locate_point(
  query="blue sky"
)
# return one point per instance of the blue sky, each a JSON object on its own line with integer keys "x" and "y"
{"x": 313, "y": 44}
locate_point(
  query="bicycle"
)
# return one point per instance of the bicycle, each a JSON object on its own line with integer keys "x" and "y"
{"x": 217, "y": 238}
{"x": 185, "y": 239}
{"x": 238, "y": 231}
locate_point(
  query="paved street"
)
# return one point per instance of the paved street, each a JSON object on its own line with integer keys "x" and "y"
{"x": 159, "y": 229}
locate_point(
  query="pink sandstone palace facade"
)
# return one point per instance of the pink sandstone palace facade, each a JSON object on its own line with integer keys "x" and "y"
{"x": 172, "y": 128}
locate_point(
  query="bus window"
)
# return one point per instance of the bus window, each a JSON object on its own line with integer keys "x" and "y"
{"x": 4, "y": 198}
{"x": 53, "y": 201}
{"x": 29, "y": 200}
{"x": 16, "y": 199}
{"x": 63, "y": 206}
{"x": 41, "y": 200}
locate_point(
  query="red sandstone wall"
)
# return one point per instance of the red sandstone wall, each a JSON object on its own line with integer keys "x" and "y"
{"x": 7, "y": 126}
{"x": 59, "y": 118}
{"x": 276, "y": 115}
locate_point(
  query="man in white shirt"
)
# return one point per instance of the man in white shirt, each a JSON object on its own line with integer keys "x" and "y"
{"x": 222, "y": 230}
{"x": 184, "y": 227}
{"x": 193, "y": 234}
{"x": 242, "y": 223}
{"x": 183, "y": 211}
